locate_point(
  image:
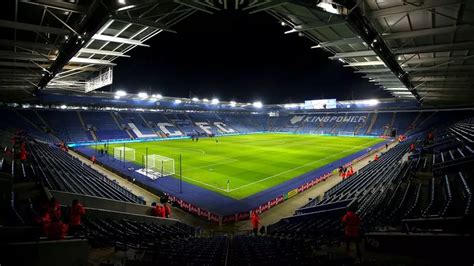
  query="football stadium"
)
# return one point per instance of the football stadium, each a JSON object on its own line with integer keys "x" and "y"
{"x": 236, "y": 132}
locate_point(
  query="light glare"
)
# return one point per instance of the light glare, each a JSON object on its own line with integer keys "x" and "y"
{"x": 257, "y": 104}
{"x": 120, "y": 93}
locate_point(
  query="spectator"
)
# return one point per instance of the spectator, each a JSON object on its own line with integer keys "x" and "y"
{"x": 255, "y": 220}
{"x": 167, "y": 208}
{"x": 54, "y": 209}
{"x": 351, "y": 222}
{"x": 93, "y": 159}
{"x": 376, "y": 158}
{"x": 159, "y": 210}
{"x": 44, "y": 220}
{"x": 23, "y": 155}
{"x": 57, "y": 230}
{"x": 75, "y": 222}
{"x": 386, "y": 146}
{"x": 263, "y": 229}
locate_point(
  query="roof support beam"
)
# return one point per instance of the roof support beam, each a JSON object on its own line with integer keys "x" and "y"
{"x": 24, "y": 56}
{"x": 31, "y": 45}
{"x": 361, "y": 25}
{"x": 426, "y": 32}
{"x": 264, "y": 6}
{"x": 406, "y": 8}
{"x": 204, "y": 8}
{"x": 64, "y": 6}
{"x": 32, "y": 27}
{"x": 102, "y": 52}
{"x": 365, "y": 53}
{"x": 315, "y": 25}
{"x": 143, "y": 22}
{"x": 435, "y": 48}
{"x": 368, "y": 63}
{"x": 399, "y": 35}
{"x": 118, "y": 40}
{"x": 345, "y": 41}
{"x": 91, "y": 61}
{"x": 410, "y": 50}
{"x": 445, "y": 68}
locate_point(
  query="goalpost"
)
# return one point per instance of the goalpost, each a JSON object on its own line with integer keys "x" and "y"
{"x": 160, "y": 165}
{"x": 124, "y": 154}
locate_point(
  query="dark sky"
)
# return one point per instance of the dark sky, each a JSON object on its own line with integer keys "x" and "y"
{"x": 232, "y": 55}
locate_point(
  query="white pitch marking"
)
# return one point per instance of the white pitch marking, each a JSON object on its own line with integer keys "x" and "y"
{"x": 301, "y": 166}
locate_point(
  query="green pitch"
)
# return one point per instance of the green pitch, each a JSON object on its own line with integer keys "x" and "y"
{"x": 251, "y": 163}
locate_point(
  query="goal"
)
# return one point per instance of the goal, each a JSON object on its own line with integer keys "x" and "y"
{"x": 124, "y": 153}
{"x": 160, "y": 165}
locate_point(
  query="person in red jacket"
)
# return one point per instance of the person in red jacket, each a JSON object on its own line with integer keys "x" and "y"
{"x": 351, "y": 222}
{"x": 412, "y": 147}
{"x": 75, "y": 219}
{"x": 57, "y": 230}
{"x": 54, "y": 209}
{"x": 43, "y": 220}
{"x": 167, "y": 208}
{"x": 351, "y": 171}
{"x": 159, "y": 211}
{"x": 255, "y": 220}
{"x": 23, "y": 155}
{"x": 376, "y": 158}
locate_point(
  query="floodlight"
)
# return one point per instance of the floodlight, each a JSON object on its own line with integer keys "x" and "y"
{"x": 120, "y": 93}
{"x": 195, "y": 99}
{"x": 257, "y": 104}
{"x": 177, "y": 101}
{"x": 117, "y": 97}
{"x": 122, "y": 2}
{"x": 205, "y": 100}
{"x": 233, "y": 103}
{"x": 63, "y": 106}
{"x": 157, "y": 96}
{"x": 372, "y": 102}
{"x": 143, "y": 95}
{"x": 215, "y": 101}
{"x": 328, "y": 6}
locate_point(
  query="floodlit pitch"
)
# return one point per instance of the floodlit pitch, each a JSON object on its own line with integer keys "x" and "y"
{"x": 251, "y": 163}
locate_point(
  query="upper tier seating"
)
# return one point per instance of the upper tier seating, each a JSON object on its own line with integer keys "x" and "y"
{"x": 103, "y": 125}
{"x": 66, "y": 125}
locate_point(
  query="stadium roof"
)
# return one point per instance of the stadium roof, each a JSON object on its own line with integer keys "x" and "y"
{"x": 420, "y": 50}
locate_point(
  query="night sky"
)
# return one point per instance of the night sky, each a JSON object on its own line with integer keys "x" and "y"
{"x": 234, "y": 56}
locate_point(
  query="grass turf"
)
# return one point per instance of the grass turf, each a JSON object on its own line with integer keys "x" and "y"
{"x": 251, "y": 163}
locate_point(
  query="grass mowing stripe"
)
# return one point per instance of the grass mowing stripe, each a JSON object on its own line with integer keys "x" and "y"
{"x": 248, "y": 160}
{"x": 290, "y": 170}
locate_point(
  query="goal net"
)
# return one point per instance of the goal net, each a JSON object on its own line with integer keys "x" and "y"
{"x": 124, "y": 154}
{"x": 160, "y": 165}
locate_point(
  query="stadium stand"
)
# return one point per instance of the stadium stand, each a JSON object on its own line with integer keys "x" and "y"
{"x": 427, "y": 190}
{"x": 80, "y": 125}
{"x": 104, "y": 125}
{"x": 65, "y": 125}
{"x": 59, "y": 171}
